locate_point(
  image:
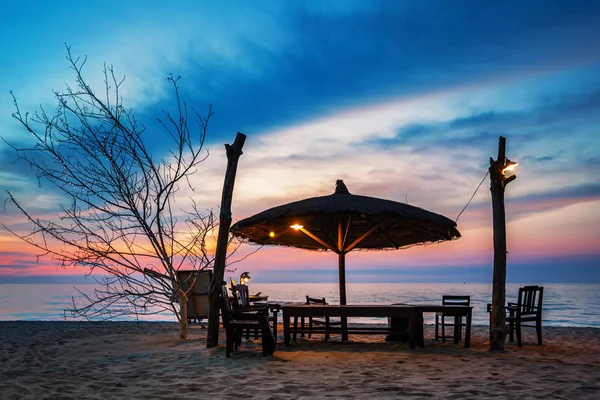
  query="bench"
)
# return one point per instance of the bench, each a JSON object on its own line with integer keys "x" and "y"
{"x": 345, "y": 311}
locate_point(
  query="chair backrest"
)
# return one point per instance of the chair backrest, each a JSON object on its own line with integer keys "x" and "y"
{"x": 242, "y": 296}
{"x": 456, "y": 300}
{"x": 225, "y": 306}
{"x": 196, "y": 284}
{"x": 530, "y": 300}
{"x": 313, "y": 300}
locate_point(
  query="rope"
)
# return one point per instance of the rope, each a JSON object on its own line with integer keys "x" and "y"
{"x": 475, "y": 192}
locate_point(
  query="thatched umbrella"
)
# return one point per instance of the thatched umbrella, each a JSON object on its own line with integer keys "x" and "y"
{"x": 342, "y": 222}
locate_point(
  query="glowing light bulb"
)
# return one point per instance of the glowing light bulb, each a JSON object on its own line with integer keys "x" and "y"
{"x": 511, "y": 167}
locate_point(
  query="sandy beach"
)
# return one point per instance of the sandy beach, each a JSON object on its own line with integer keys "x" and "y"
{"x": 82, "y": 360}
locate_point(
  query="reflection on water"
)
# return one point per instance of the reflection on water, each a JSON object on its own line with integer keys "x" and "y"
{"x": 564, "y": 304}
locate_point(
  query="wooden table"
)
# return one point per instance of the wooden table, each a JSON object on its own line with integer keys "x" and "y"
{"x": 457, "y": 311}
{"x": 320, "y": 310}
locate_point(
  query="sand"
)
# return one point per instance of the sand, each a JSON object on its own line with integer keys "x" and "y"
{"x": 82, "y": 360}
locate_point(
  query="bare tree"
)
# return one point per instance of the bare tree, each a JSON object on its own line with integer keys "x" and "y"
{"x": 119, "y": 217}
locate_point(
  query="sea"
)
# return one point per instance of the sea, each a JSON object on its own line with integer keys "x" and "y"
{"x": 563, "y": 304}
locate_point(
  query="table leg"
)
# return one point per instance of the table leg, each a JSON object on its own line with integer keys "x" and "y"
{"x": 412, "y": 330}
{"x": 468, "y": 329}
{"x": 286, "y": 329}
{"x": 295, "y": 328}
{"x": 457, "y": 320}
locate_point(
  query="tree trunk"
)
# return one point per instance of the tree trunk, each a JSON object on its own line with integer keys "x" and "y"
{"x": 183, "y": 319}
{"x": 233, "y": 154}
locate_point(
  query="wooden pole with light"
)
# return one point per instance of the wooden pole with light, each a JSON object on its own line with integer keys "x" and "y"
{"x": 498, "y": 182}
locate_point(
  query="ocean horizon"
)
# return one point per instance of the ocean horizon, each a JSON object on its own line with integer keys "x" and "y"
{"x": 565, "y": 304}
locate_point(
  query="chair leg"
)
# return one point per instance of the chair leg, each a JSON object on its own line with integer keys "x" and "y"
{"x": 458, "y": 328}
{"x": 519, "y": 342}
{"x": 327, "y": 329}
{"x": 437, "y": 317}
{"x": 269, "y": 341}
{"x": 310, "y": 324}
{"x": 538, "y": 329}
{"x": 238, "y": 338}
{"x": 230, "y": 334}
{"x": 302, "y": 326}
{"x": 263, "y": 341}
{"x": 511, "y": 331}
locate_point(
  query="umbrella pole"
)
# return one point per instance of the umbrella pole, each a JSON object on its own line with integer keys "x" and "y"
{"x": 342, "y": 281}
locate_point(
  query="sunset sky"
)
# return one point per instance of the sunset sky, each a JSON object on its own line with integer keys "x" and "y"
{"x": 403, "y": 100}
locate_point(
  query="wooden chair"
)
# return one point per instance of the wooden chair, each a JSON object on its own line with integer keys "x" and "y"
{"x": 527, "y": 309}
{"x": 325, "y": 321}
{"x": 241, "y": 299}
{"x": 441, "y": 319}
{"x": 234, "y": 321}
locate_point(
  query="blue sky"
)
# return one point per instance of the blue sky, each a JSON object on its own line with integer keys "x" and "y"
{"x": 403, "y": 100}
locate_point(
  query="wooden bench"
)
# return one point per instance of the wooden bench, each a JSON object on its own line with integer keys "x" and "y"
{"x": 345, "y": 311}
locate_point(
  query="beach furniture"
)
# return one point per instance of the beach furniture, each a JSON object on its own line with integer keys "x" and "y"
{"x": 528, "y": 308}
{"x": 241, "y": 296}
{"x": 241, "y": 300}
{"x": 275, "y": 308}
{"x": 450, "y": 319}
{"x": 399, "y": 327}
{"x": 325, "y": 321}
{"x": 458, "y": 310}
{"x": 236, "y": 320}
{"x": 292, "y": 310}
{"x": 413, "y": 313}
{"x": 196, "y": 285}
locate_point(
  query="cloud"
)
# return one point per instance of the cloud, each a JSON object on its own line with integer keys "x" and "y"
{"x": 399, "y": 100}
{"x": 582, "y": 192}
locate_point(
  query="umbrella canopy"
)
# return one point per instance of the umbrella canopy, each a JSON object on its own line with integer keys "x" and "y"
{"x": 342, "y": 222}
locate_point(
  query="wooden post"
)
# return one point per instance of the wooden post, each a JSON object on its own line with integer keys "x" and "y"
{"x": 498, "y": 183}
{"x": 342, "y": 284}
{"x": 342, "y": 277}
{"x": 233, "y": 154}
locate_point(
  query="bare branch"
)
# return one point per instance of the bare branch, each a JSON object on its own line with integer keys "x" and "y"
{"x": 117, "y": 217}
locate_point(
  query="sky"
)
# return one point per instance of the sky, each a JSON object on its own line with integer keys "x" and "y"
{"x": 403, "y": 100}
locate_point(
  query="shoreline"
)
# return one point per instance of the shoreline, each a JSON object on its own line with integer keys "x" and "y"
{"x": 118, "y": 359}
